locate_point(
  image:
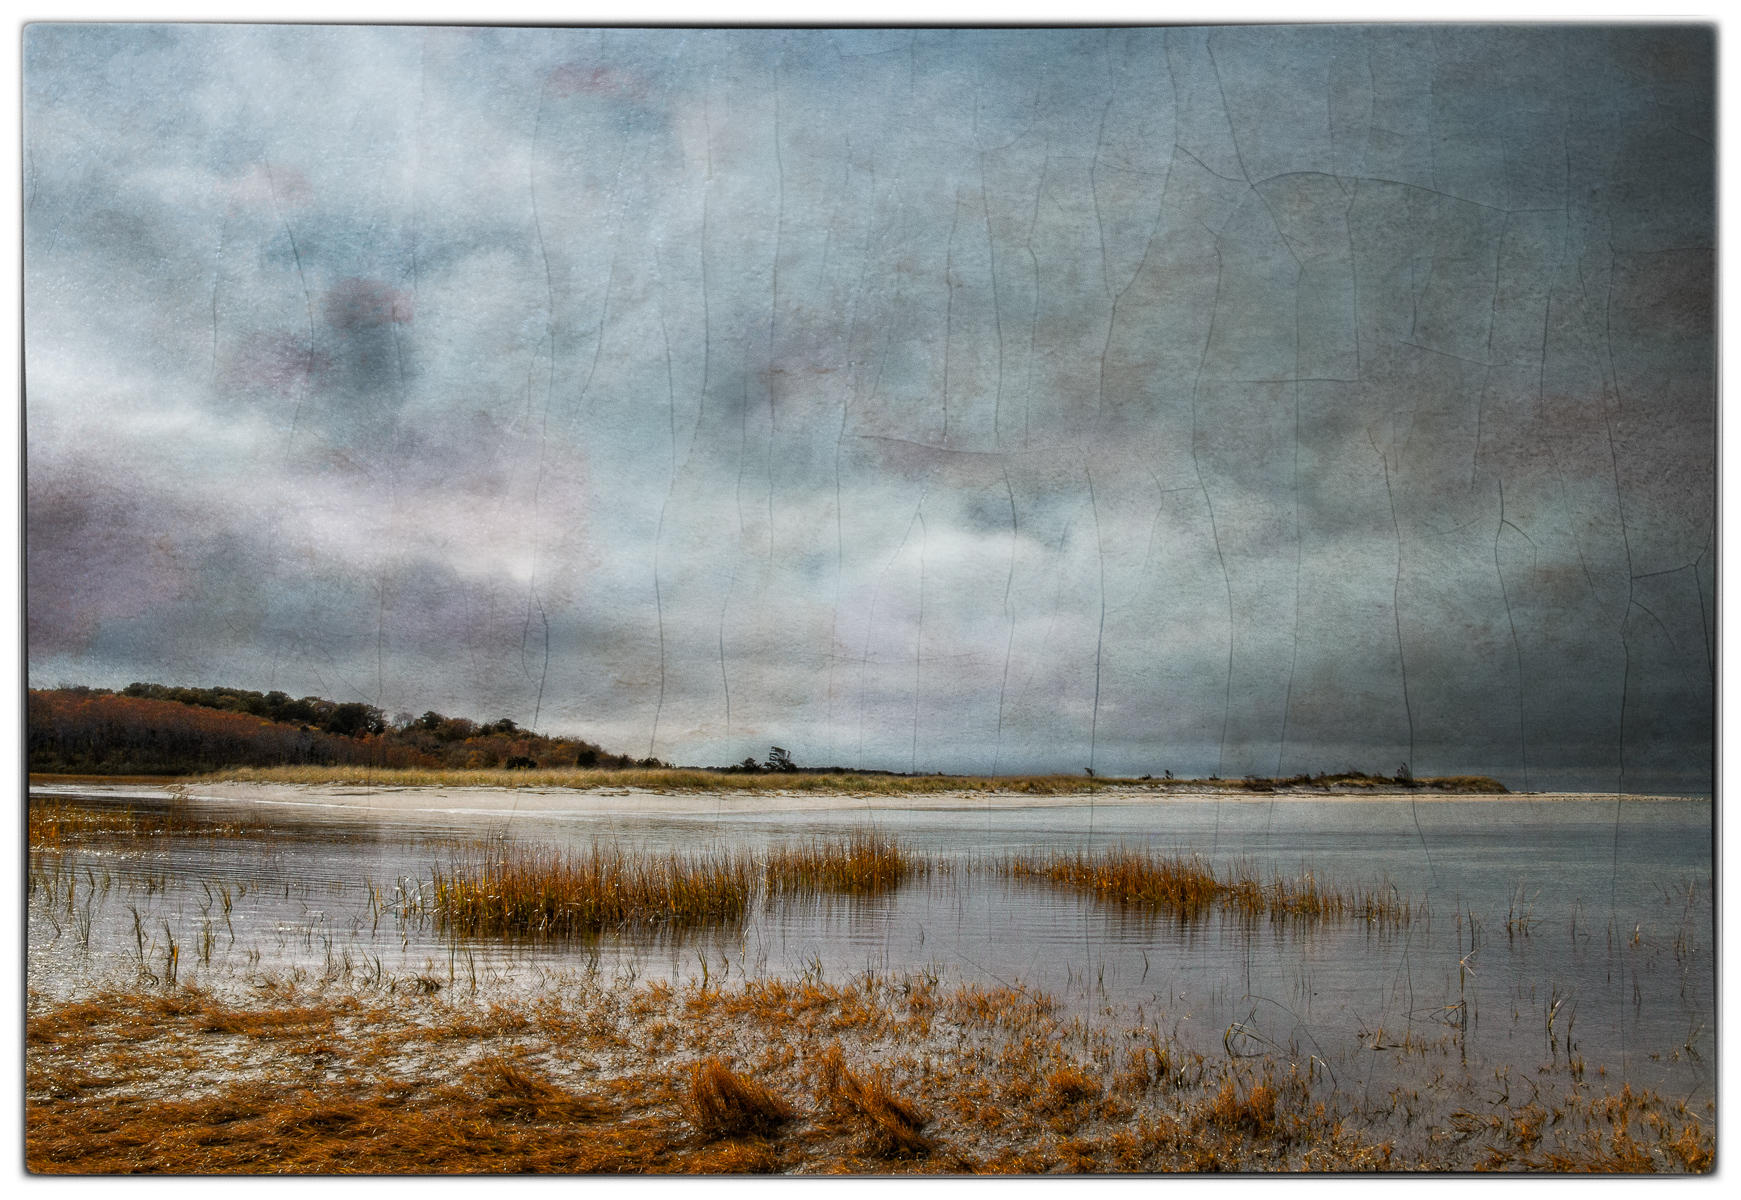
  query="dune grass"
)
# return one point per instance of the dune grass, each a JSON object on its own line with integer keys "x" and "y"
{"x": 1189, "y": 888}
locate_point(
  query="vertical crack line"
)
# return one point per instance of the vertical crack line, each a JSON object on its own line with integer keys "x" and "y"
{"x": 217, "y": 281}
{"x": 380, "y": 626}
{"x": 1209, "y": 504}
{"x": 1100, "y": 631}
{"x": 1516, "y": 645}
{"x": 774, "y": 315}
{"x": 871, "y": 620}
{"x": 919, "y": 643}
{"x": 306, "y": 367}
{"x": 417, "y": 156}
{"x": 949, "y": 307}
{"x": 730, "y": 587}
{"x": 611, "y": 239}
{"x": 996, "y": 304}
{"x": 1401, "y": 657}
{"x": 659, "y": 533}
{"x": 1294, "y": 659}
{"x": 1034, "y": 311}
{"x": 1704, "y": 618}
{"x": 1353, "y": 277}
{"x": 532, "y": 597}
{"x": 1105, "y": 260}
{"x": 304, "y": 372}
{"x": 848, "y": 395}
{"x": 1620, "y": 780}
{"x": 1226, "y": 113}
{"x": 1009, "y": 619}
{"x": 1631, "y": 573}
{"x": 1498, "y": 258}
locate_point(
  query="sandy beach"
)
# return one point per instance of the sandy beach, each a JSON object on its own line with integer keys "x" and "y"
{"x": 456, "y": 801}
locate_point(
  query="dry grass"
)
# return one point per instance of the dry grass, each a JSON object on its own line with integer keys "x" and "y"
{"x": 889, "y": 1124}
{"x": 724, "y": 1104}
{"x": 880, "y": 1075}
{"x": 1190, "y": 889}
{"x": 515, "y": 890}
{"x": 55, "y": 822}
{"x": 863, "y": 863}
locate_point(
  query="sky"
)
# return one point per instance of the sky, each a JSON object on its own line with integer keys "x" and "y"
{"x": 1246, "y": 400}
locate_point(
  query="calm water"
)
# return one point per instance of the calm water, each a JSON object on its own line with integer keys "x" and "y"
{"x": 1568, "y": 929}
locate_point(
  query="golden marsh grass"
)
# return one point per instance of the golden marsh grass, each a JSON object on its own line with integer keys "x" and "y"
{"x": 880, "y": 1074}
{"x": 517, "y": 890}
{"x": 54, "y": 821}
{"x": 1189, "y": 888}
{"x": 862, "y": 863}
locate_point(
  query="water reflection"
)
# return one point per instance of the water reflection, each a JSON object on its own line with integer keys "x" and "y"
{"x": 1541, "y": 931}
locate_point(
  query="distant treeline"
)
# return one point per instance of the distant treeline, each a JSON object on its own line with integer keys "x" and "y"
{"x": 148, "y": 729}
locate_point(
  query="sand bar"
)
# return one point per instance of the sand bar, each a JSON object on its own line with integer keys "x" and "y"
{"x": 425, "y": 801}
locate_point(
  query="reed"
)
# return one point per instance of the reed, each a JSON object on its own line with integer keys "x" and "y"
{"x": 862, "y": 863}
{"x": 530, "y": 891}
{"x": 1190, "y": 889}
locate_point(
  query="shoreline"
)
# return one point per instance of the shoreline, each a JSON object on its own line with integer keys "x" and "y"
{"x": 459, "y": 800}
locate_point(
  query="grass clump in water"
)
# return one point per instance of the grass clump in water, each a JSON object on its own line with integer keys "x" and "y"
{"x": 530, "y": 891}
{"x": 54, "y": 822}
{"x": 861, "y": 864}
{"x": 1190, "y": 889}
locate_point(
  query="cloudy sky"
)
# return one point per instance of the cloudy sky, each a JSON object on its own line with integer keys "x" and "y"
{"x": 1241, "y": 400}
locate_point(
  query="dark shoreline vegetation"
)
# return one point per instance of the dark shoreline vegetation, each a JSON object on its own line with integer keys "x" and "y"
{"x": 152, "y": 731}
{"x": 356, "y": 1070}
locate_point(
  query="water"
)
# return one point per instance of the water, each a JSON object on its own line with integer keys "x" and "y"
{"x": 1547, "y": 933}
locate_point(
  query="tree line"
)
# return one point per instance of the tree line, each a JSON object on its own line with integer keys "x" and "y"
{"x": 148, "y": 728}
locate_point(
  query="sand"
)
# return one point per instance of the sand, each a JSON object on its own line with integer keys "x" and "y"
{"x": 425, "y": 801}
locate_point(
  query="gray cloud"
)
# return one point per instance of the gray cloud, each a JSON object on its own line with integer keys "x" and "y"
{"x": 1240, "y": 400}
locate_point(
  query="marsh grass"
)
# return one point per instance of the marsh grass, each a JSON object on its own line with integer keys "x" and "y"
{"x": 862, "y": 863}
{"x": 517, "y": 890}
{"x": 1190, "y": 889}
{"x": 289, "y": 1078}
{"x": 723, "y": 1103}
{"x": 54, "y": 822}
{"x": 890, "y": 1125}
